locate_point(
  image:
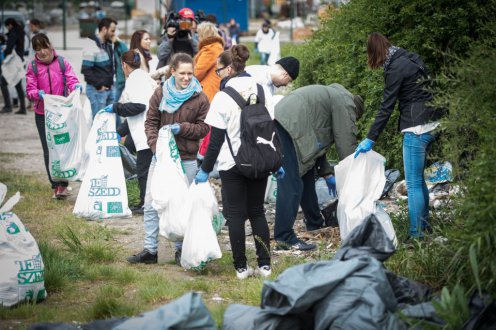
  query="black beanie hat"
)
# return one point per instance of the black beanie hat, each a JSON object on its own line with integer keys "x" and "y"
{"x": 291, "y": 65}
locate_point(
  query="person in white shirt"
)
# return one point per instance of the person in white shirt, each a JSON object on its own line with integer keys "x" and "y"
{"x": 134, "y": 105}
{"x": 267, "y": 43}
{"x": 244, "y": 196}
{"x": 282, "y": 73}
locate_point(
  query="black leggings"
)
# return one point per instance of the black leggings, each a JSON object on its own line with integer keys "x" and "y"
{"x": 6, "y": 94}
{"x": 40, "y": 125}
{"x": 245, "y": 200}
{"x": 143, "y": 160}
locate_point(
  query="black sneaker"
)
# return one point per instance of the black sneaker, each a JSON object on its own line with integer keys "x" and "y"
{"x": 6, "y": 110}
{"x": 144, "y": 257}
{"x": 177, "y": 257}
{"x": 300, "y": 245}
{"x": 21, "y": 112}
{"x": 138, "y": 209}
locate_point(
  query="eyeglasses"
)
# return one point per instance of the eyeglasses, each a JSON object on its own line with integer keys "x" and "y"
{"x": 217, "y": 71}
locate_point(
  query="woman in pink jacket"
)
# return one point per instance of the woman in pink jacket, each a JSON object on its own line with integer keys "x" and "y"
{"x": 48, "y": 73}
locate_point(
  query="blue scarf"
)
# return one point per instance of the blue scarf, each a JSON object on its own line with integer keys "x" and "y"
{"x": 173, "y": 98}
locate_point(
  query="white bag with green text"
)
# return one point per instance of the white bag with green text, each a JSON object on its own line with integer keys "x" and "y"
{"x": 169, "y": 188}
{"x": 200, "y": 243}
{"x": 22, "y": 272}
{"x": 103, "y": 192}
{"x": 67, "y": 125}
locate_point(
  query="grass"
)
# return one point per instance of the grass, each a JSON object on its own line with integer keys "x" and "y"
{"x": 86, "y": 275}
{"x": 87, "y": 278}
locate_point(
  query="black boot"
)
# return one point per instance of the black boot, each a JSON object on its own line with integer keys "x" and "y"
{"x": 6, "y": 109}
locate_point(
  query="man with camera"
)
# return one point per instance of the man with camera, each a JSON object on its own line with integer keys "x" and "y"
{"x": 180, "y": 41}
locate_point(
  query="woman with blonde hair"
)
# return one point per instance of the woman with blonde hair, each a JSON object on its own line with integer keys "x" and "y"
{"x": 210, "y": 46}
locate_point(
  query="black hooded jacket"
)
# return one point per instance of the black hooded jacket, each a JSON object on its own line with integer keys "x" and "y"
{"x": 405, "y": 80}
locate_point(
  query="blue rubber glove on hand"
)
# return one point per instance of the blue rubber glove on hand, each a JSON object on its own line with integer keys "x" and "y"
{"x": 280, "y": 173}
{"x": 364, "y": 146}
{"x": 79, "y": 86}
{"x": 109, "y": 108}
{"x": 201, "y": 176}
{"x": 331, "y": 185}
{"x": 41, "y": 93}
{"x": 175, "y": 128}
{"x": 118, "y": 138}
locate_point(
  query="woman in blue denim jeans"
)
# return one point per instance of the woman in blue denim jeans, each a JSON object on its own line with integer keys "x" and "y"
{"x": 405, "y": 76}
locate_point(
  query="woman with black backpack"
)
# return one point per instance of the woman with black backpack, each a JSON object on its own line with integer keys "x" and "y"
{"x": 244, "y": 195}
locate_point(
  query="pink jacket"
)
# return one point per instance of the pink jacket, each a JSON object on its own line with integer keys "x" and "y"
{"x": 48, "y": 79}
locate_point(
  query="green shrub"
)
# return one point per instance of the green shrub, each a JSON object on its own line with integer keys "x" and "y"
{"x": 337, "y": 51}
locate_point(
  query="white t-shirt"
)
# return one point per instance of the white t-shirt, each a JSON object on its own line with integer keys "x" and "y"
{"x": 139, "y": 89}
{"x": 225, "y": 114}
{"x": 421, "y": 129}
{"x": 265, "y": 41}
{"x": 261, "y": 74}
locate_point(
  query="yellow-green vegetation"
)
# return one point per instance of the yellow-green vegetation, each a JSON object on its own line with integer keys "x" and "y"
{"x": 87, "y": 276}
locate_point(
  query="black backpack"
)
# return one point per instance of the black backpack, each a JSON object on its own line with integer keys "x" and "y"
{"x": 260, "y": 151}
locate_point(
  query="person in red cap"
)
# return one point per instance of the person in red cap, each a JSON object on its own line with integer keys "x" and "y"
{"x": 184, "y": 40}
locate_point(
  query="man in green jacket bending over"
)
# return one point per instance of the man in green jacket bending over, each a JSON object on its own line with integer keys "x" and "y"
{"x": 309, "y": 120}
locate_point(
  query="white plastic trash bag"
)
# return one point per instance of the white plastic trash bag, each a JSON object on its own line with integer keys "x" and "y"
{"x": 22, "y": 275}
{"x": 271, "y": 190}
{"x": 13, "y": 69}
{"x": 359, "y": 183}
{"x": 169, "y": 188}
{"x": 103, "y": 192}
{"x": 386, "y": 223}
{"x": 200, "y": 243}
{"x": 67, "y": 127}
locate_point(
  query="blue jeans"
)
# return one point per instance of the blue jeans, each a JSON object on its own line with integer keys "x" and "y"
{"x": 293, "y": 191}
{"x": 415, "y": 148}
{"x": 264, "y": 58}
{"x": 150, "y": 217}
{"x": 99, "y": 99}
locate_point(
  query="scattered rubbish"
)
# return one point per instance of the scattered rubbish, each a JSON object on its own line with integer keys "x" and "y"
{"x": 439, "y": 172}
{"x": 391, "y": 177}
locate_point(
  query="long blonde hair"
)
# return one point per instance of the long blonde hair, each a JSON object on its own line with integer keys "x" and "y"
{"x": 207, "y": 29}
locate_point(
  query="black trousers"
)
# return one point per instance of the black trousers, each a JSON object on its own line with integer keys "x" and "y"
{"x": 40, "y": 125}
{"x": 245, "y": 200}
{"x": 6, "y": 94}
{"x": 143, "y": 160}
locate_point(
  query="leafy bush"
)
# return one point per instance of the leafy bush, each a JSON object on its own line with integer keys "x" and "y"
{"x": 337, "y": 51}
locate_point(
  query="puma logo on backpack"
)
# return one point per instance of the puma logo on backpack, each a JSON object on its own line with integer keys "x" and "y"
{"x": 260, "y": 151}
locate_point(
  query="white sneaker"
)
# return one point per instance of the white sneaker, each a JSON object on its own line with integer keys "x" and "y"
{"x": 264, "y": 271}
{"x": 242, "y": 273}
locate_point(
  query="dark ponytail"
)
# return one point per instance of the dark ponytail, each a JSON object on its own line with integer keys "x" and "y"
{"x": 239, "y": 55}
{"x": 132, "y": 58}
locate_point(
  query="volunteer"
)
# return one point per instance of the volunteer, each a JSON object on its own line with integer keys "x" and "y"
{"x": 141, "y": 41}
{"x": 245, "y": 197}
{"x": 133, "y": 105}
{"x": 405, "y": 77}
{"x": 181, "y": 104}
{"x": 45, "y": 75}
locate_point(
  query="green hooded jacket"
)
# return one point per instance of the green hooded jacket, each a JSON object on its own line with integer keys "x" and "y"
{"x": 316, "y": 116}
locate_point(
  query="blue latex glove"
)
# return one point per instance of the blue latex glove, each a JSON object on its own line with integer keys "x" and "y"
{"x": 109, "y": 108}
{"x": 118, "y": 138}
{"x": 280, "y": 173}
{"x": 78, "y": 86}
{"x": 364, "y": 146}
{"x": 154, "y": 157}
{"x": 331, "y": 185}
{"x": 175, "y": 128}
{"x": 41, "y": 93}
{"x": 201, "y": 176}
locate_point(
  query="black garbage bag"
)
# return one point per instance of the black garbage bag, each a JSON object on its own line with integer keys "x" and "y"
{"x": 391, "y": 177}
{"x": 128, "y": 163}
{"x": 330, "y": 214}
{"x": 368, "y": 239}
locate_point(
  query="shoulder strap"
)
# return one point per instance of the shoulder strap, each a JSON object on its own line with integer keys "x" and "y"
{"x": 236, "y": 96}
{"x": 260, "y": 94}
{"x": 60, "y": 59}
{"x": 35, "y": 67}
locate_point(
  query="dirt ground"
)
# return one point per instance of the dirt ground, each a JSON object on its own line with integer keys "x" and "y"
{"x": 20, "y": 150}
